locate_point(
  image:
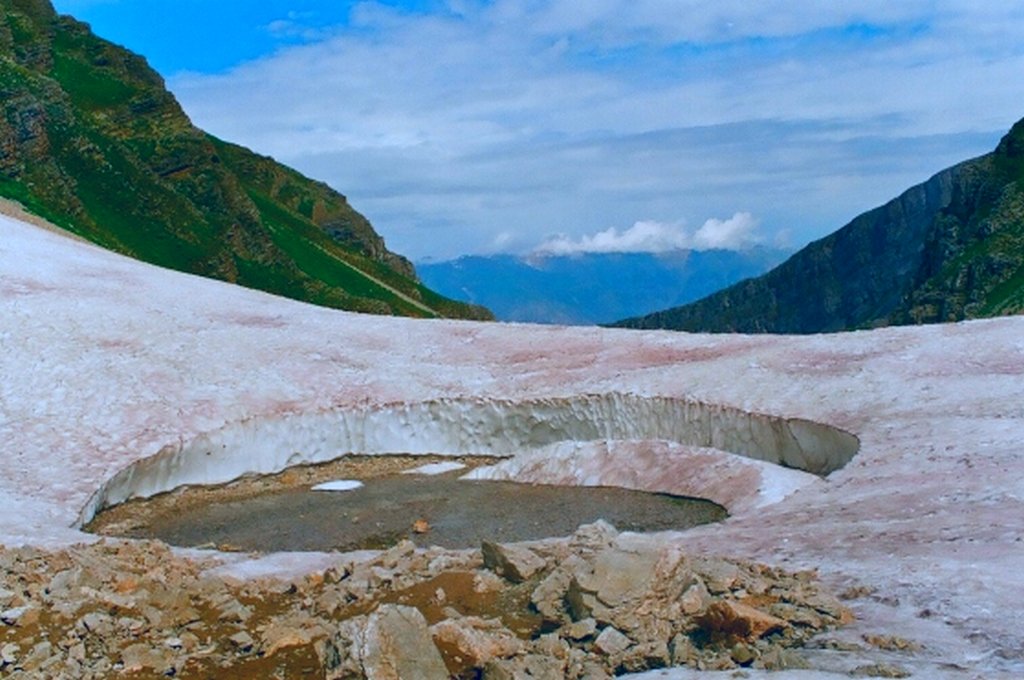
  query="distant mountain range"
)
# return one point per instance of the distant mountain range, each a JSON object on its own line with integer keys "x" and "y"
{"x": 592, "y": 288}
{"x": 951, "y": 248}
{"x": 91, "y": 140}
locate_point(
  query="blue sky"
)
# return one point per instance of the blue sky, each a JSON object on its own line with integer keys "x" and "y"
{"x": 463, "y": 126}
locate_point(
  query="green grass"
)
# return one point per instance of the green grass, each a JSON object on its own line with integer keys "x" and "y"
{"x": 88, "y": 86}
{"x": 1007, "y": 297}
{"x": 300, "y": 241}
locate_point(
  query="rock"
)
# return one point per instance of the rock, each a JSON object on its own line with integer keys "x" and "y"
{"x": 644, "y": 656}
{"x": 580, "y": 603}
{"x": 397, "y": 555}
{"x": 880, "y": 670}
{"x": 141, "y": 656}
{"x": 891, "y": 643}
{"x": 487, "y": 582}
{"x": 476, "y": 641}
{"x": 517, "y": 564}
{"x": 735, "y": 619}
{"x": 780, "y": 659}
{"x": 9, "y": 653}
{"x": 97, "y": 623}
{"x": 552, "y": 646}
{"x": 189, "y": 641}
{"x": 392, "y": 643}
{"x": 593, "y": 536}
{"x": 233, "y": 611}
{"x": 611, "y": 642}
{"x": 797, "y": 616}
{"x": 277, "y": 637}
{"x": 40, "y": 658}
{"x": 743, "y": 654}
{"x": 634, "y": 585}
{"x": 594, "y": 671}
{"x": 77, "y": 652}
{"x": 580, "y": 630}
{"x": 20, "y": 616}
{"x": 529, "y": 667}
{"x": 827, "y": 605}
{"x": 242, "y": 642}
{"x": 719, "y": 575}
{"x": 682, "y": 651}
{"x": 615, "y": 576}
{"x": 695, "y": 599}
{"x": 549, "y": 595}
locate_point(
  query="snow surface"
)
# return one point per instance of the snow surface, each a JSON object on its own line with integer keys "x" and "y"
{"x": 431, "y": 469}
{"x": 106, "y": 362}
{"x": 339, "y": 485}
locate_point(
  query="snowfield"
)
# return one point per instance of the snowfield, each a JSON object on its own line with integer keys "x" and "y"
{"x": 106, "y": 362}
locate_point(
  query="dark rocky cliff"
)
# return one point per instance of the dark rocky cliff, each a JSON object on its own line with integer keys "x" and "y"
{"x": 91, "y": 139}
{"x": 948, "y": 249}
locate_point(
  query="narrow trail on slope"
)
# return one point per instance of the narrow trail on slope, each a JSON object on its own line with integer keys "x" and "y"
{"x": 394, "y": 291}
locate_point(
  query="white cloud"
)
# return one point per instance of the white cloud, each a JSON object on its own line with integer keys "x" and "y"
{"x": 642, "y": 237}
{"x": 736, "y": 233}
{"x": 451, "y": 128}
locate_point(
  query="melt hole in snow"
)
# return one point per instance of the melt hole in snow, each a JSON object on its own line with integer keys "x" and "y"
{"x": 339, "y": 485}
{"x": 483, "y": 427}
{"x": 435, "y": 468}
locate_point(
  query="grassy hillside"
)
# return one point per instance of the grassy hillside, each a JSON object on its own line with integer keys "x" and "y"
{"x": 951, "y": 248}
{"x": 91, "y": 139}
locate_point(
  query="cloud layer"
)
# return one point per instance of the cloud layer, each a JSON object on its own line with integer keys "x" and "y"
{"x": 477, "y": 123}
{"x": 736, "y": 233}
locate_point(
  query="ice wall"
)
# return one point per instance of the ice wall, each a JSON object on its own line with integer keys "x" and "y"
{"x": 474, "y": 426}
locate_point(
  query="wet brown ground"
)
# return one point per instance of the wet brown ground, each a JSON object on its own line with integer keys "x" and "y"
{"x": 281, "y": 512}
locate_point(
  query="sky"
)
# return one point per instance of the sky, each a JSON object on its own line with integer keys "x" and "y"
{"x": 472, "y": 127}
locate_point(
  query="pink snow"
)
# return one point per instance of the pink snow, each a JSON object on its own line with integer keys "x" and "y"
{"x": 105, "y": 361}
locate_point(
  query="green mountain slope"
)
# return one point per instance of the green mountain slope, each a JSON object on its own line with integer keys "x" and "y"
{"x": 951, "y": 248}
{"x": 91, "y": 139}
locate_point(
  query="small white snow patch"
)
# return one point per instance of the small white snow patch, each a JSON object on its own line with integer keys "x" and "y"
{"x": 434, "y": 468}
{"x": 338, "y": 485}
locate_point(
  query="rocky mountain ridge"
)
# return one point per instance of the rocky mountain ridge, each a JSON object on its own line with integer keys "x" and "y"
{"x": 91, "y": 140}
{"x": 948, "y": 249}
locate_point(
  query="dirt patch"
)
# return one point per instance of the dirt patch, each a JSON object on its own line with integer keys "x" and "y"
{"x": 283, "y": 513}
{"x": 129, "y": 517}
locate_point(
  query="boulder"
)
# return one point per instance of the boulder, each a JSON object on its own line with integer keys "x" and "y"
{"x": 735, "y": 619}
{"x": 517, "y": 564}
{"x": 392, "y": 643}
{"x": 611, "y": 642}
{"x": 720, "y": 576}
{"x": 695, "y": 599}
{"x": 474, "y": 640}
{"x": 580, "y": 630}
{"x": 141, "y": 656}
{"x": 644, "y": 656}
{"x": 549, "y": 595}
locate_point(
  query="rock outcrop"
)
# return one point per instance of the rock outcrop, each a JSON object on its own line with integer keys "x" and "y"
{"x": 951, "y": 248}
